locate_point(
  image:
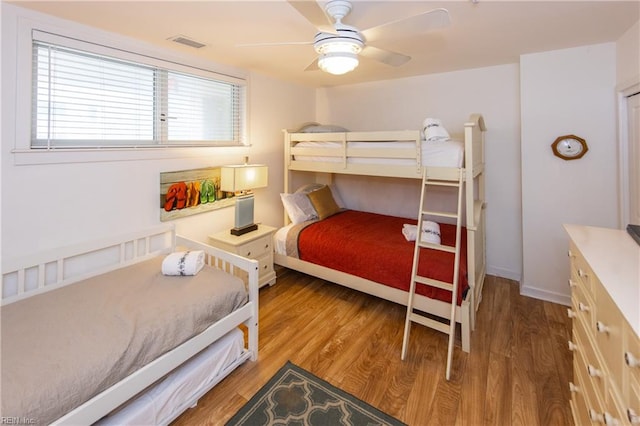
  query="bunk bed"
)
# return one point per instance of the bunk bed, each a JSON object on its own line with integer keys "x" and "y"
{"x": 399, "y": 154}
{"x": 105, "y": 332}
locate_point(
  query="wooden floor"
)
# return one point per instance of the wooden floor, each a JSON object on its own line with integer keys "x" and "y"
{"x": 516, "y": 374}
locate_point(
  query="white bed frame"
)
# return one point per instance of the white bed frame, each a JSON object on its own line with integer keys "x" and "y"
{"x": 474, "y": 200}
{"x": 44, "y": 272}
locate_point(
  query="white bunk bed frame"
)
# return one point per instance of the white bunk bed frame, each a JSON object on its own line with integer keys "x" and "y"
{"x": 43, "y": 272}
{"x": 474, "y": 199}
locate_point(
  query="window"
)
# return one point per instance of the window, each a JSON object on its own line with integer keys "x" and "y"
{"x": 84, "y": 99}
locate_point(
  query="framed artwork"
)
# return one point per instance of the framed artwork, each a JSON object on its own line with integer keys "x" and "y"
{"x": 188, "y": 192}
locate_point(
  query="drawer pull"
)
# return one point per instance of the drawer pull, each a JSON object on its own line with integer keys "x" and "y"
{"x": 595, "y": 417}
{"x": 594, "y": 372}
{"x": 634, "y": 419}
{"x": 572, "y": 346}
{"x": 581, "y": 273}
{"x": 631, "y": 360}
{"x": 569, "y": 253}
{"x": 266, "y": 246}
{"x": 573, "y": 388}
{"x": 601, "y": 327}
{"x": 571, "y": 313}
{"x": 572, "y": 284}
{"x": 583, "y": 307}
{"x": 248, "y": 254}
{"x": 610, "y": 420}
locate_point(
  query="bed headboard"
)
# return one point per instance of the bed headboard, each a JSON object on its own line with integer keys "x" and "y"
{"x": 40, "y": 272}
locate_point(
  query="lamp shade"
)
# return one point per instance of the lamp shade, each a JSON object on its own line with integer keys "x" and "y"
{"x": 243, "y": 177}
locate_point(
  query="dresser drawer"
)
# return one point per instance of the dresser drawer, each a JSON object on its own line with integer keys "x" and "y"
{"x": 584, "y": 307}
{"x": 579, "y": 406}
{"x": 589, "y": 364}
{"x": 632, "y": 403}
{"x": 631, "y": 353}
{"x": 609, "y": 325}
{"x": 581, "y": 268}
{"x": 257, "y": 248}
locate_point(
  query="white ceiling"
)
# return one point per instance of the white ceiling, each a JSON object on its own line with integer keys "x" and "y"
{"x": 481, "y": 34}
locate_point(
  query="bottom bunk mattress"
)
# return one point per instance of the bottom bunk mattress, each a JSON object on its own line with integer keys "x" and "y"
{"x": 372, "y": 246}
{"x": 63, "y": 347}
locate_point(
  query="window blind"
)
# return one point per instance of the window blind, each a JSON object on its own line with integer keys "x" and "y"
{"x": 87, "y": 100}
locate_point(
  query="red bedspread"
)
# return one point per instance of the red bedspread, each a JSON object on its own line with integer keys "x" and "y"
{"x": 372, "y": 246}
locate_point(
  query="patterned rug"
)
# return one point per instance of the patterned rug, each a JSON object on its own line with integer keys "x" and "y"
{"x": 296, "y": 397}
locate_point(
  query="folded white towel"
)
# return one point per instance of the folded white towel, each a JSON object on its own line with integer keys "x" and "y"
{"x": 430, "y": 232}
{"x": 183, "y": 263}
{"x": 433, "y": 130}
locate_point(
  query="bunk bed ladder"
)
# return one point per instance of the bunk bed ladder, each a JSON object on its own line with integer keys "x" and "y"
{"x": 412, "y": 314}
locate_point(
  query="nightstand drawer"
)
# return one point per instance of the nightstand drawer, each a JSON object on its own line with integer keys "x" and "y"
{"x": 266, "y": 265}
{"x": 257, "y": 248}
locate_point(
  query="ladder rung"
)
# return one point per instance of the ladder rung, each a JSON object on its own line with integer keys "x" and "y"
{"x": 428, "y": 322}
{"x": 440, "y": 247}
{"x": 442, "y": 183}
{"x": 441, "y": 214}
{"x": 433, "y": 283}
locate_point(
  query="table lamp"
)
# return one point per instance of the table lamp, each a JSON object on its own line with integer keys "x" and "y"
{"x": 241, "y": 179}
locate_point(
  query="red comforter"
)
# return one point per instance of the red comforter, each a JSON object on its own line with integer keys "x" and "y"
{"x": 372, "y": 246}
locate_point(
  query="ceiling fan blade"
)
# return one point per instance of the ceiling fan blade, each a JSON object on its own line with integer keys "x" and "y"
{"x": 313, "y": 66}
{"x": 314, "y": 14}
{"x": 283, "y": 43}
{"x": 385, "y": 56}
{"x": 428, "y": 21}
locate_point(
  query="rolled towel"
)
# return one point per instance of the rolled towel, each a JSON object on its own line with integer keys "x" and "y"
{"x": 433, "y": 130}
{"x": 410, "y": 232}
{"x": 430, "y": 232}
{"x": 183, "y": 263}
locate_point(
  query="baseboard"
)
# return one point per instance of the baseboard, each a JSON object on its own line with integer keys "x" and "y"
{"x": 504, "y": 273}
{"x": 549, "y": 296}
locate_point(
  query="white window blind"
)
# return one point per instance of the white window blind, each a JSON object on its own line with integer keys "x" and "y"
{"x": 86, "y": 100}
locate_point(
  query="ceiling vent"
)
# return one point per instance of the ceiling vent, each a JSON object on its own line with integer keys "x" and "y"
{"x": 187, "y": 41}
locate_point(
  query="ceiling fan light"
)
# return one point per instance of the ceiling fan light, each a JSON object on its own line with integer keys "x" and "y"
{"x": 338, "y": 63}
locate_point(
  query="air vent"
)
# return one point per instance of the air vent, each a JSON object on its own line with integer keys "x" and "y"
{"x": 187, "y": 41}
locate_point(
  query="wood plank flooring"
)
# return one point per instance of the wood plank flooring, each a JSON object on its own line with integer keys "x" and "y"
{"x": 516, "y": 374}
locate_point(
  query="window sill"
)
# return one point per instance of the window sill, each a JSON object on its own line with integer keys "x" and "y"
{"x": 91, "y": 155}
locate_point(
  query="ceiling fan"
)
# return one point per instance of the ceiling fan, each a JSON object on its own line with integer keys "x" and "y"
{"x": 339, "y": 45}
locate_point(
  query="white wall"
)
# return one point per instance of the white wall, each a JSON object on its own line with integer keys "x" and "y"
{"x": 452, "y": 97}
{"x": 46, "y": 206}
{"x": 569, "y": 91}
{"x": 628, "y": 57}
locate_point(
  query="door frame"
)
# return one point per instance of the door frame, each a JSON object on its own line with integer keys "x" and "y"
{"x": 622, "y": 93}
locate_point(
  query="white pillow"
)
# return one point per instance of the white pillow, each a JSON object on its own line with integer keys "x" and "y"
{"x": 298, "y": 207}
{"x": 315, "y": 186}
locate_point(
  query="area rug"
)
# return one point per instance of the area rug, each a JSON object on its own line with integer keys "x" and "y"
{"x": 294, "y": 396}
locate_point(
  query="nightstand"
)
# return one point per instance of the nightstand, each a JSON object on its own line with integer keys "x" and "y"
{"x": 256, "y": 244}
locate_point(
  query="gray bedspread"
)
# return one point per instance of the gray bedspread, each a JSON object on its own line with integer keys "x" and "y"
{"x": 63, "y": 347}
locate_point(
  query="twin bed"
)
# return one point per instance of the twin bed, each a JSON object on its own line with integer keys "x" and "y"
{"x": 367, "y": 252}
{"x": 97, "y": 333}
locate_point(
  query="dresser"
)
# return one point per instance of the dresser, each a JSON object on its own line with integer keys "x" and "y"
{"x": 256, "y": 245}
{"x": 605, "y": 312}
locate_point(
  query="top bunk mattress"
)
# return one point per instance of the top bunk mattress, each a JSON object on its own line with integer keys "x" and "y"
{"x": 449, "y": 153}
{"x": 61, "y": 348}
